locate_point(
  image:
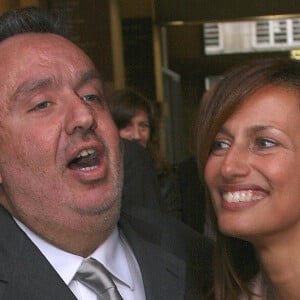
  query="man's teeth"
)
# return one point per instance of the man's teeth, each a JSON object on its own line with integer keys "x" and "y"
{"x": 88, "y": 168}
{"x": 241, "y": 196}
{"x": 85, "y": 153}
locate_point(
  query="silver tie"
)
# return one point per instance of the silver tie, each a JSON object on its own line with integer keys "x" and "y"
{"x": 94, "y": 275}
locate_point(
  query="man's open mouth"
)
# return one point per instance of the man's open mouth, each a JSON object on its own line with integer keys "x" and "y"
{"x": 86, "y": 160}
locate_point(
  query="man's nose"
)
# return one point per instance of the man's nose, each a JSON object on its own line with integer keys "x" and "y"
{"x": 80, "y": 115}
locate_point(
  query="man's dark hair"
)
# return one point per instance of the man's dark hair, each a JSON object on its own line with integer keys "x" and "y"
{"x": 31, "y": 19}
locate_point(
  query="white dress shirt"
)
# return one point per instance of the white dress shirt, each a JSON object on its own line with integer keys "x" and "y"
{"x": 115, "y": 254}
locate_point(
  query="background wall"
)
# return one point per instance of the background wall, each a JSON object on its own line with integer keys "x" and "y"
{"x": 208, "y": 10}
{"x": 135, "y": 8}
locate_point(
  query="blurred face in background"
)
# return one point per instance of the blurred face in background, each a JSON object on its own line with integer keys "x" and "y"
{"x": 138, "y": 129}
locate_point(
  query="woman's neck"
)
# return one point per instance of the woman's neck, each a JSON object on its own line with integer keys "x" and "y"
{"x": 280, "y": 260}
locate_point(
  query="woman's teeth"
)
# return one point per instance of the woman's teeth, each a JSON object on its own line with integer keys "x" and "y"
{"x": 241, "y": 196}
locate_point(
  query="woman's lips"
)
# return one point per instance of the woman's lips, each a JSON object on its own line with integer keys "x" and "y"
{"x": 241, "y": 195}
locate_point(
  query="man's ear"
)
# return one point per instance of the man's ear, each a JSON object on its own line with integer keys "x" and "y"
{"x": 1, "y": 179}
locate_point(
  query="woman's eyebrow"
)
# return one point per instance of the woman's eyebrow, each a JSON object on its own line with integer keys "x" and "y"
{"x": 258, "y": 128}
{"x": 249, "y": 131}
{"x": 226, "y": 131}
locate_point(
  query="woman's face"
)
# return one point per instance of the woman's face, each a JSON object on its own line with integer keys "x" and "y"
{"x": 138, "y": 129}
{"x": 253, "y": 170}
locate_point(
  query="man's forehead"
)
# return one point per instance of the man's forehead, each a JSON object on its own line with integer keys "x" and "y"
{"x": 43, "y": 57}
{"x": 40, "y": 48}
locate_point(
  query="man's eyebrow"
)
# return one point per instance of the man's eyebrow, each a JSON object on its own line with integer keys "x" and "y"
{"x": 32, "y": 85}
{"x": 89, "y": 76}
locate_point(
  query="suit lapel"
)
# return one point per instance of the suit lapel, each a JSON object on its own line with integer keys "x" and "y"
{"x": 24, "y": 271}
{"x": 163, "y": 273}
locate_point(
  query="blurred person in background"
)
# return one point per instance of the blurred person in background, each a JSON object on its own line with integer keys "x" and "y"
{"x": 137, "y": 120}
{"x": 133, "y": 115}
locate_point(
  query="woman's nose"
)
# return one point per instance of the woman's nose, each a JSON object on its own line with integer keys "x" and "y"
{"x": 235, "y": 162}
{"x": 136, "y": 134}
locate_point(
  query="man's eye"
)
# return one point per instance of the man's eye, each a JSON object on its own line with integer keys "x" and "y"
{"x": 42, "y": 105}
{"x": 91, "y": 97}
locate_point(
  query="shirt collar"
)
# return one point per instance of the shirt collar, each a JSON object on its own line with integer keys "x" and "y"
{"x": 112, "y": 254}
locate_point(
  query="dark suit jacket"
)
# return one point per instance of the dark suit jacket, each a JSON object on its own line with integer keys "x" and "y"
{"x": 169, "y": 256}
{"x": 141, "y": 187}
{"x": 192, "y": 194}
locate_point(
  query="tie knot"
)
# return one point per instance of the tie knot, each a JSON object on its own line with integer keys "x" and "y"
{"x": 94, "y": 275}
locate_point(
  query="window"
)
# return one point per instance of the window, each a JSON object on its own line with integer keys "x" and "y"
{"x": 213, "y": 39}
{"x": 276, "y": 34}
{"x": 251, "y": 36}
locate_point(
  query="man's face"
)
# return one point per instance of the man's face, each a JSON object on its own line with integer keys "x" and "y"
{"x": 60, "y": 161}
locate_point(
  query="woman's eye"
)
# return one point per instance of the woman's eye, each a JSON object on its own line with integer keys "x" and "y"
{"x": 127, "y": 129}
{"x": 91, "y": 97}
{"x": 265, "y": 143}
{"x": 219, "y": 145}
{"x": 144, "y": 125}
